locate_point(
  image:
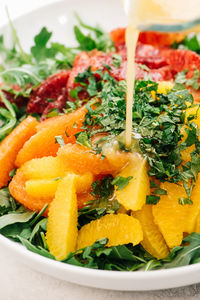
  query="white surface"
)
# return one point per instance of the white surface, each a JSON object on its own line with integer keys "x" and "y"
{"x": 19, "y": 282}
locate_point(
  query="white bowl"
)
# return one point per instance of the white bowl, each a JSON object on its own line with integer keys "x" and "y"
{"x": 59, "y": 18}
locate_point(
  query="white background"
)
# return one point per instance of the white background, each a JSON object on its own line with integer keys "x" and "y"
{"x": 21, "y": 283}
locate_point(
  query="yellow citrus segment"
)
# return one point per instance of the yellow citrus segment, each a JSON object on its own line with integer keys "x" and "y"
{"x": 163, "y": 88}
{"x": 46, "y": 167}
{"x": 41, "y": 187}
{"x": 133, "y": 196}
{"x": 195, "y": 110}
{"x": 194, "y": 210}
{"x": 119, "y": 229}
{"x": 153, "y": 241}
{"x": 172, "y": 218}
{"x": 62, "y": 219}
{"x": 18, "y": 191}
{"x": 83, "y": 182}
{"x": 47, "y": 187}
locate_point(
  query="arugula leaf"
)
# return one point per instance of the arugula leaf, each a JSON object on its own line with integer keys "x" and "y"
{"x": 24, "y": 56}
{"x": 186, "y": 254}
{"x": 16, "y": 217}
{"x": 41, "y": 225}
{"x": 96, "y": 38}
{"x": 190, "y": 42}
{"x": 121, "y": 182}
{"x": 7, "y": 117}
{"x": 40, "y": 51}
{"x": 181, "y": 79}
{"x": 15, "y": 230}
{"x": 21, "y": 75}
{"x": 38, "y": 250}
{"x": 98, "y": 256}
{"x": 6, "y": 202}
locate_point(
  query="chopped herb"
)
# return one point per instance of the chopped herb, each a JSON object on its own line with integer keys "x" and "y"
{"x": 117, "y": 60}
{"x": 152, "y": 199}
{"x": 50, "y": 100}
{"x": 103, "y": 202}
{"x": 12, "y": 173}
{"x": 53, "y": 113}
{"x": 121, "y": 182}
{"x": 160, "y": 192}
{"x": 184, "y": 201}
{"x": 59, "y": 139}
{"x": 83, "y": 139}
{"x": 143, "y": 67}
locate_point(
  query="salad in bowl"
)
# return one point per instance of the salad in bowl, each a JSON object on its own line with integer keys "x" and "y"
{"x": 71, "y": 190}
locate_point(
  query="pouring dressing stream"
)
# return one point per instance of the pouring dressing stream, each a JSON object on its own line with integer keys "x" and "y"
{"x": 160, "y": 15}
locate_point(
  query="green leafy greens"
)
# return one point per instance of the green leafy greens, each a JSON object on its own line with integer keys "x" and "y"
{"x": 190, "y": 42}
{"x": 157, "y": 123}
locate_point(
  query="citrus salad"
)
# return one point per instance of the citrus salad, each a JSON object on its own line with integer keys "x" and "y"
{"x": 71, "y": 190}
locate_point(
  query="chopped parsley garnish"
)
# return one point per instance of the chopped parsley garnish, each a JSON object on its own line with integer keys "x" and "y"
{"x": 157, "y": 120}
{"x": 83, "y": 139}
{"x": 59, "y": 139}
{"x": 121, "y": 182}
{"x": 103, "y": 202}
{"x": 143, "y": 67}
{"x": 117, "y": 60}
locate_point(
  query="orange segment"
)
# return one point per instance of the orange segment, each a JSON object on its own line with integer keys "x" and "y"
{"x": 133, "y": 196}
{"x": 46, "y": 188}
{"x": 83, "y": 198}
{"x": 120, "y": 229}
{"x": 11, "y": 145}
{"x": 18, "y": 191}
{"x": 197, "y": 225}
{"x": 174, "y": 219}
{"x": 83, "y": 182}
{"x": 45, "y": 167}
{"x": 63, "y": 219}
{"x": 43, "y": 142}
{"x": 153, "y": 241}
{"x": 80, "y": 159}
{"x": 41, "y": 188}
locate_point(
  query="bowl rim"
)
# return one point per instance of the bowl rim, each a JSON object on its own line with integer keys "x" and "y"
{"x": 22, "y": 251}
{"x": 163, "y": 273}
